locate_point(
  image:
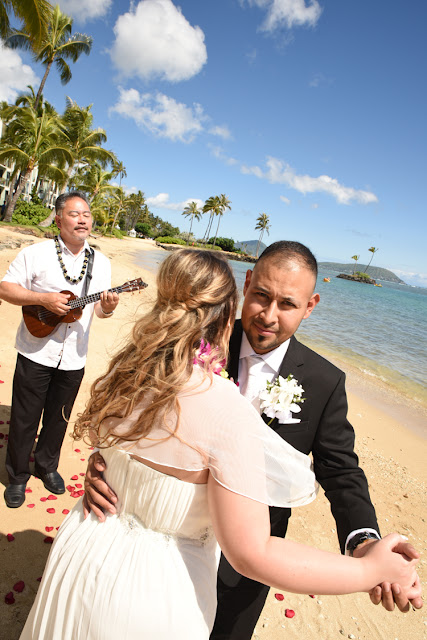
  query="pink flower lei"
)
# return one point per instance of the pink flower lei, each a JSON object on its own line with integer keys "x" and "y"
{"x": 204, "y": 355}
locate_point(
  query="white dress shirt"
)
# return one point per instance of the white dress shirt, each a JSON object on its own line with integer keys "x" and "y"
{"x": 37, "y": 268}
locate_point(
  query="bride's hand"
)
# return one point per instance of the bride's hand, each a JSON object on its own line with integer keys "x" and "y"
{"x": 388, "y": 560}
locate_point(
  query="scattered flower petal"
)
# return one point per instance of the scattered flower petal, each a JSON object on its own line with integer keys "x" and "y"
{"x": 69, "y": 487}
{"x": 9, "y": 598}
{"x": 74, "y": 477}
{"x": 39, "y": 579}
{"x": 28, "y": 490}
{"x": 10, "y": 537}
{"x": 77, "y": 450}
{"x": 31, "y": 506}
{"x": 48, "y": 529}
{"x": 31, "y": 459}
{"x": 289, "y": 613}
{"x": 43, "y": 499}
{"x": 50, "y": 510}
{"x": 65, "y": 511}
{"x": 312, "y": 596}
{"x": 48, "y": 540}
{"x": 80, "y": 493}
{"x": 79, "y": 486}
{"x": 82, "y": 474}
{"x": 19, "y": 586}
{"x": 82, "y": 459}
{"x": 279, "y": 596}
{"x": 51, "y": 497}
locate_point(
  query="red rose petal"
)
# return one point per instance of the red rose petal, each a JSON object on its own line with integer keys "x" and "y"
{"x": 48, "y": 540}
{"x": 312, "y": 596}
{"x": 51, "y": 497}
{"x": 1, "y": 446}
{"x": 81, "y": 492}
{"x": 79, "y": 486}
{"x": 74, "y": 478}
{"x": 31, "y": 459}
{"x": 31, "y": 506}
{"x": 57, "y": 528}
{"x": 1, "y": 434}
{"x": 82, "y": 474}
{"x": 48, "y": 529}
{"x": 43, "y": 499}
{"x": 65, "y": 511}
{"x": 19, "y": 586}
{"x": 73, "y": 494}
{"x": 1, "y": 381}
{"x": 69, "y": 487}
{"x": 1, "y": 421}
{"x": 50, "y": 510}
{"x": 77, "y": 450}
{"x": 279, "y": 596}
{"x": 6, "y": 436}
{"x": 289, "y": 613}
{"x": 82, "y": 459}
{"x": 10, "y": 537}
{"x": 39, "y": 579}
{"x": 7, "y": 421}
{"x": 28, "y": 490}
{"x": 9, "y": 598}
{"x": 91, "y": 448}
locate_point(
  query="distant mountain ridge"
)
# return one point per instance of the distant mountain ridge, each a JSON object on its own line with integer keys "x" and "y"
{"x": 377, "y": 273}
{"x": 250, "y": 246}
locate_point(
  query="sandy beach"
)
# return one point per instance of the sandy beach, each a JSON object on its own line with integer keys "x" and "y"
{"x": 390, "y": 441}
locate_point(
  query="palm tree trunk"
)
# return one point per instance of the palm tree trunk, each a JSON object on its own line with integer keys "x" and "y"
{"x": 23, "y": 179}
{"x": 189, "y": 233}
{"x": 217, "y": 229}
{"x": 48, "y": 221}
{"x": 41, "y": 87}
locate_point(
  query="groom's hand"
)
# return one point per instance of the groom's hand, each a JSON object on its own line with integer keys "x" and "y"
{"x": 98, "y": 495}
{"x": 391, "y": 594}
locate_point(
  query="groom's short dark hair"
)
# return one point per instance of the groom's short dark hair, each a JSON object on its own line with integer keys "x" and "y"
{"x": 290, "y": 250}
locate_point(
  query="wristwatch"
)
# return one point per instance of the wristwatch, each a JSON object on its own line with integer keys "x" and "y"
{"x": 359, "y": 538}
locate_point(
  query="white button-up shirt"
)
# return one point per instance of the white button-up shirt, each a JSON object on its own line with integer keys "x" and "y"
{"x": 270, "y": 368}
{"x": 37, "y": 268}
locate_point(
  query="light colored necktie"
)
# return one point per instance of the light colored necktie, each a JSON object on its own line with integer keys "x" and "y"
{"x": 253, "y": 383}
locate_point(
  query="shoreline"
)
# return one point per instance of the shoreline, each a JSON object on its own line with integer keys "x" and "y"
{"x": 391, "y": 453}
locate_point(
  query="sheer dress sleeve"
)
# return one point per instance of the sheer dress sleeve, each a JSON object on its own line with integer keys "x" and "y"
{"x": 219, "y": 430}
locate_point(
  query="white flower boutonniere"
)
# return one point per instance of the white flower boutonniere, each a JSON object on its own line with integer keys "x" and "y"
{"x": 281, "y": 398}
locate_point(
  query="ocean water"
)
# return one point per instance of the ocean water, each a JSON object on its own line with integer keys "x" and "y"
{"x": 382, "y": 331}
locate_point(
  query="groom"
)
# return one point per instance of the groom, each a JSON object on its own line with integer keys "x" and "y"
{"x": 279, "y": 294}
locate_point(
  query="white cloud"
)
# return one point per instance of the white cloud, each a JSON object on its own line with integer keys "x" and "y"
{"x": 84, "y": 10}
{"x": 161, "y": 115}
{"x": 319, "y": 79}
{"x": 279, "y": 172}
{"x": 154, "y": 40}
{"x": 221, "y": 131}
{"x": 14, "y": 74}
{"x": 285, "y": 200}
{"x": 161, "y": 201}
{"x": 288, "y": 13}
{"x": 219, "y": 153}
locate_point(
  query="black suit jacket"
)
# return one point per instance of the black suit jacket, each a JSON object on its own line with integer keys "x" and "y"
{"x": 325, "y": 431}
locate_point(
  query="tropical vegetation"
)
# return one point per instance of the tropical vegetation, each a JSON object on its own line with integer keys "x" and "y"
{"x": 263, "y": 224}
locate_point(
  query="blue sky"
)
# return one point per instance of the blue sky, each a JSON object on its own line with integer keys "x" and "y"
{"x": 310, "y": 111}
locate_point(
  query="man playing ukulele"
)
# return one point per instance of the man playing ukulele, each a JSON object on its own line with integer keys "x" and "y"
{"x": 49, "y": 369}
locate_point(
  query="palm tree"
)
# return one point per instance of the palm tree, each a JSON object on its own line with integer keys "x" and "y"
{"x": 262, "y": 225}
{"x": 34, "y": 15}
{"x": 192, "y": 211}
{"x": 356, "y": 258}
{"x": 119, "y": 169}
{"x": 57, "y": 45}
{"x": 215, "y": 205}
{"x": 224, "y": 203}
{"x": 95, "y": 181}
{"x": 372, "y": 250}
{"x": 32, "y": 139}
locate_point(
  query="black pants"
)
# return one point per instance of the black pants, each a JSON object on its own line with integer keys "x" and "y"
{"x": 241, "y": 600}
{"x": 39, "y": 389}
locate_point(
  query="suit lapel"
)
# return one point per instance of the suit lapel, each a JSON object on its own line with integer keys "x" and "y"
{"x": 233, "y": 358}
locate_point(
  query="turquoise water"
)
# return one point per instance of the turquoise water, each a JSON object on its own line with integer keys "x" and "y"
{"x": 382, "y": 331}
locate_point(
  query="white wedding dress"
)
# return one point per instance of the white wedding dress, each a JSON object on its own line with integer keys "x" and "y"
{"x": 149, "y": 572}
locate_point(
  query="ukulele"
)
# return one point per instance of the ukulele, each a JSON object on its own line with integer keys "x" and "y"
{"x": 40, "y": 322}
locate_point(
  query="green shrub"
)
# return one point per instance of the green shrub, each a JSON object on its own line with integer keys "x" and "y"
{"x": 169, "y": 240}
{"x": 116, "y": 233}
{"x": 362, "y": 275}
{"x": 143, "y": 228}
{"x": 27, "y": 213}
{"x": 226, "y": 244}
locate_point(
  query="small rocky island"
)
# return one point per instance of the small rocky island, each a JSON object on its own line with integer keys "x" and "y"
{"x": 357, "y": 278}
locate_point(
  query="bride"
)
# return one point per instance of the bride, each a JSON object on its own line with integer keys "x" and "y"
{"x": 192, "y": 463}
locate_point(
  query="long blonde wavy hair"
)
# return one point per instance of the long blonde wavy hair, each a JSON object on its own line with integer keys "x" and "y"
{"x": 196, "y": 300}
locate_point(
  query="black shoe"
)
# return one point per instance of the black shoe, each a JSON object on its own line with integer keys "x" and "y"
{"x": 52, "y": 481}
{"x": 14, "y": 495}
